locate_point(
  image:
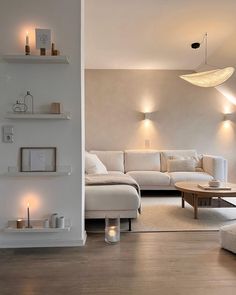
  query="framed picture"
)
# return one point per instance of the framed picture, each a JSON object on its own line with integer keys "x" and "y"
{"x": 38, "y": 159}
{"x": 43, "y": 38}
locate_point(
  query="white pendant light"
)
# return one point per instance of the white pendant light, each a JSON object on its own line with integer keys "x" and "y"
{"x": 211, "y": 78}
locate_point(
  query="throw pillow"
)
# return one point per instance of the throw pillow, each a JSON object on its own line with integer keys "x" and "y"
{"x": 175, "y": 165}
{"x": 93, "y": 165}
{"x": 197, "y": 159}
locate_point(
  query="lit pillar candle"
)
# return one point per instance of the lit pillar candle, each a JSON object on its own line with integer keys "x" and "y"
{"x": 112, "y": 232}
{"x": 27, "y": 39}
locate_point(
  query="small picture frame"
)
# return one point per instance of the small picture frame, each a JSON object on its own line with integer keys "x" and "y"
{"x": 43, "y": 38}
{"x": 38, "y": 159}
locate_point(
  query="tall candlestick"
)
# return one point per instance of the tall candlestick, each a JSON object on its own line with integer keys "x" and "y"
{"x": 28, "y": 216}
{"x": 27, "y": 39}
{"x": 27, "y": 47}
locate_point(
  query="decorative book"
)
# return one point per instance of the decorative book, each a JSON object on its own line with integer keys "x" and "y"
{"x": 212, "y": 188}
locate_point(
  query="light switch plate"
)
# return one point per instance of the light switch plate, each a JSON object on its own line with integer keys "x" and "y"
{"x": 7, "y": 134}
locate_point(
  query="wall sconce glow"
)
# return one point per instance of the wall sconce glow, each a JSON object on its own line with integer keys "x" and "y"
{"x": 147, "y": 116}
{"x": 227, "y": 93}
{"x": 230, "y": 117}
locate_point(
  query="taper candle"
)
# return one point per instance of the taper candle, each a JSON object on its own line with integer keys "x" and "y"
{"x": 27, "y": 38}
{"x": 28, "y": 216}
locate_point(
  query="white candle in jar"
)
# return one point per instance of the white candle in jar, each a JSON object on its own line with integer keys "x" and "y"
{"x": 112, "y": 233}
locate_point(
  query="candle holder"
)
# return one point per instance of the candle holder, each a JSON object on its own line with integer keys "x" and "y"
{"x": 27, "y": 50}
{"x": 20, "y": 223}
{"x": 28, "y": 217}
{"x": 112, "y": 230}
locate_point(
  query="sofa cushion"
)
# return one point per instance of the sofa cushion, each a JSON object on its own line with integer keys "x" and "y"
{"x": 188, "y": 176}
{"x": 174, "y": 165}
{"x": 142, "y": 160}
{"x": 150, "y": 178}
{"x": 171, "y": 154}
{"x": 93, "y": 165}
{"x": 115, "y": 172}
{"x": 113, "y": 160}
{"x": 111, "y": 197}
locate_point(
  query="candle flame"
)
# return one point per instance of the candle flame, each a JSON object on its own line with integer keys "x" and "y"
{"x": 28, "y": 204}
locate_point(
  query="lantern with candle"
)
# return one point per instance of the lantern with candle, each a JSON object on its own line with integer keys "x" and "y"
{"x": 112, "y": 230}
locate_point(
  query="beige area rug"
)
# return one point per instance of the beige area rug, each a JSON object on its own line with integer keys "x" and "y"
{"x": 166, "y": 214}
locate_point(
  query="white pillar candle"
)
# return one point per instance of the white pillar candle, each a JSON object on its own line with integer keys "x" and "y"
{"x": 54, "y": 220}
{"x": 61, "y": 222}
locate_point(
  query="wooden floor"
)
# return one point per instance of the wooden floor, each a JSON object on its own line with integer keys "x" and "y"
{"x": 148, "y": 263}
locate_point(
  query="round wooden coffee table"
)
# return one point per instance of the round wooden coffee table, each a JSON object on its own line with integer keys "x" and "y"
{"x": 201, "y": 198}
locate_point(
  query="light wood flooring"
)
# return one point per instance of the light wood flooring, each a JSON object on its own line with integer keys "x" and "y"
{"x": 148, "y": 263}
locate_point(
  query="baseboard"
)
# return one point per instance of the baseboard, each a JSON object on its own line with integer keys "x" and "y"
{"x": 44, "y": 243}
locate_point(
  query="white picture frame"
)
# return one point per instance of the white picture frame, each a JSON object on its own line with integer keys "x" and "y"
{"x": 43, "y": 38}
{"x": 38, "y": 159}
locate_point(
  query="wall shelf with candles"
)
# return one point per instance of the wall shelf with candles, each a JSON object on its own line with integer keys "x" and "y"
{"x": 37, "y": 228}
{"x": 36, "y": 59}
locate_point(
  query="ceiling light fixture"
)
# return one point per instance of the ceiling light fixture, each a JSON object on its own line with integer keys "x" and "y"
{"x": 211, "y": 78}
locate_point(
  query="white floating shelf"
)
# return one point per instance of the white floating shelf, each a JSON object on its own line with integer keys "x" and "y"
{"x": 38, "y": 116}
{"x": 36, "y": 59}
{"x": 38, "y": 174}
{"x": 36, "y": 230}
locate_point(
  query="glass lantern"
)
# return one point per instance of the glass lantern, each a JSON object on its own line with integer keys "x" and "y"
{"x": 112, "y": 230}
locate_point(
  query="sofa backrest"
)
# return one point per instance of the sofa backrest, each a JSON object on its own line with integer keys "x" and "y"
{"x": 113, "y": 160}
{"x": 142, "y": 160}
{"x": 166, "y": 154}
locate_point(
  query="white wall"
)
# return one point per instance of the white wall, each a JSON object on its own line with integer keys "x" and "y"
{"x": 185, "y": 116}
{"x": 47, "y": 83}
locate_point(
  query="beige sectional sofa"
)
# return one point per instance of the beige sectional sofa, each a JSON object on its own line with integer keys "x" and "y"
{"x": 149, "y": 167}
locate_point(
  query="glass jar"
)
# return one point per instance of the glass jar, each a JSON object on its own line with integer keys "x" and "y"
{"x": 112, "y": 230}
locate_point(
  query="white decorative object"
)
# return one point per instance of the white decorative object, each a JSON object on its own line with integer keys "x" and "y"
{"x": 43, "y": 38}
{"x": 61, "y": 222}
{"x": 112, "y": 230}
{"x": 214, "y": 183}
{"x": 46, "y": 223}
{"x": 54, "y": 220}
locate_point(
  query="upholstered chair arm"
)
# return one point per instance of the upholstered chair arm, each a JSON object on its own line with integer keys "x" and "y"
{"x": 216, "y": 166}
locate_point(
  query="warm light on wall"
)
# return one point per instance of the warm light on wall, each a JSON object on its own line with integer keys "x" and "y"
{"x": 31, "y": 198}
{"x": 227, "y": 93}
{"x": 227, "y": 124}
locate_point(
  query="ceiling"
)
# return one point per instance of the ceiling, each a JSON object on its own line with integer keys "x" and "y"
{"x": 154, "y": 34}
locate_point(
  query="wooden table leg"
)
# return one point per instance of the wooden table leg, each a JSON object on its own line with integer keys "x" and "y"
{"x": 183, "y": 204}
{"x": 195, "y": 200}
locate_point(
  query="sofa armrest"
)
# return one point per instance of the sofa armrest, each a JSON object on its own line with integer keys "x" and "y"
{"x": 215, "y": 166}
